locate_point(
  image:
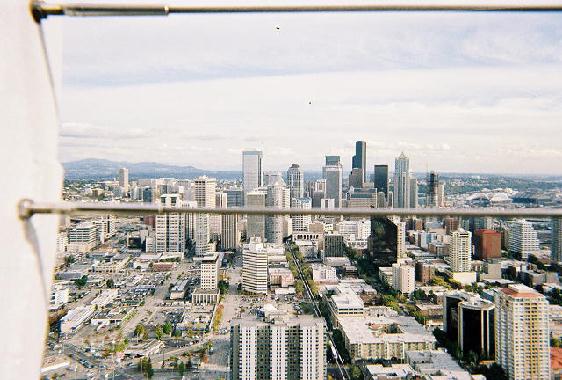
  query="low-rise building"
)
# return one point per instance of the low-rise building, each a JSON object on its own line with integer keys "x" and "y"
{"x": 282, "y": 277}
{"x": 75, "y": 318}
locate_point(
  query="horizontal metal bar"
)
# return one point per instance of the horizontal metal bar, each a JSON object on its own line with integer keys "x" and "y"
{"x": 28, "y": 208}
{"x": 42, "y": 10}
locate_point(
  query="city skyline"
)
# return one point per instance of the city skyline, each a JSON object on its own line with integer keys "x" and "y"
{"x": 493, "y": 92}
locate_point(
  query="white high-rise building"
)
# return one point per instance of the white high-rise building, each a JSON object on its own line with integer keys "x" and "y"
{"x": 301, "y": 222}
{"x": 169, "y": 231}
{"x": 332, "y": 172}
{"x": 204, "y": 193}
{"x": 254, "y": 267}
{"x": 523, "y": 239}
{"x": 556, "y": 239}
{"x": 295, "y": 182}
{"x": 460, "y": 252}
{"x": 403, "y": 278}
{"x": 281, "y": 350}
{"x": 252, "y": 175}
{"x": 82, "y": 237}
{"x": 124, "y": 179}
{"x": 276, "y": 198}
{"x": 401, "y": 191}
{"x": 230, "y": 232}
{"x": 522, "y": 333}
{"x": 210, "y": 272}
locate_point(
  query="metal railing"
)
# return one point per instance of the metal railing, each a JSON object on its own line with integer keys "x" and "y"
{"x": 42, "y": 10}
{"x": 28, "y": 208}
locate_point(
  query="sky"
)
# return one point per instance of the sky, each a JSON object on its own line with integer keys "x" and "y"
{"x": 456, "y": 92}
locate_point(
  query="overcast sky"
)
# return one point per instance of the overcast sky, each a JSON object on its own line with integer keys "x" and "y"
{"x": 455, "y": 92}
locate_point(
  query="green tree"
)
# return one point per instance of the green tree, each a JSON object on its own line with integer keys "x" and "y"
{"x": 81, "y": 282}
{"x": 158, "y": 332}
{"x": 145, "y": 367}
{"x": 299, "y": 287}
{"x": 355, "y": 373}
{"x": 109, "y": 283}
{"x": 555, "y": 342}
{"x": 181, "y": 368}
{"x": 139, "y": 330}
{"x": 167, "y": 328}
{"x": 68, "y": 260}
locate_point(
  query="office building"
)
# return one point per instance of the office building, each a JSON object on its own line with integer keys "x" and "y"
{"x": 556, "y": 248}
{"x": 401, "y": 190}
{"x": 359, "y": 161}
{"x": 301, "y": 222}
{"x": 230, "y": 233}
{"x": 403, "y": 278}
{"x": 208, "y": 291}
{"x": 334, "y": 245}
{"x": 523, "y": 239}
{"x": 169, "y": 230}
{"x": 387, "y": 241}
{"x": 413, "y": 193}
{"x": 295, "y": 182}
{"x": 234, "y": 197}
{"x": 276, "y": 197}
{"x": 381, "y": 179}
{"x": 82, "y": 237}
{"x": 332, "y": 173}
{"x": 124, "y": 180}
{"x": 522, "y": 333}
{"x": 252, "y": 175}
{"x": 432, "y": 190}
{"x": 355, "y": 178}
{"x": 279, "y": 349}
{"x": 487, "y": 244}
{"x": 205, "y": 224}
{"x": 256, "y": 223}
{"x": 254, "y": 267}
{"x": 441, "y": 194}
{"x": 451, "y": 224}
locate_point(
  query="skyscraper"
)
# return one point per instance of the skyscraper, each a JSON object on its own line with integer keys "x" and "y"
{"x": 359, "y": 161}
{"x": 295, "y": 181}
{"x": 301, "y": 222}
{"x": 522, "y": 333}
{"x": 413, "y": 193}
{"x": 170, "y": 228}
{"x": 523, "y": 239}
{"x": 230, "y": 233}
{"x": 332, "y": 173}
{"x": 252, "y": 176}
{"x": 256, "y": 223}
{"x": 386, "y": 243}
{"x": 254, "y": 267}
{"x": 279, "y": 349}
{"x": 401, "y": 189}
{"x": 124, "y": 179}
{"x": 274, "y": 223}
{"x": 556, "y": 239}
{"x": 432, "y": 190}
{"x": 381, "y": 178}
{"x": 205, "y": 196}
{"x": 356, "y": 178}
{"x": 461, "y": 251}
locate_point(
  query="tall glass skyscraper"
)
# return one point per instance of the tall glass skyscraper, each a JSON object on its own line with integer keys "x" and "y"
{"x": 252, "y": 175}
{"x": 401, "y": 181}
{"x": 381, "y": 178}
{"x": 359, "y": 161}
{"x": 332, "y": 173}
{"x": 295, "y": 182}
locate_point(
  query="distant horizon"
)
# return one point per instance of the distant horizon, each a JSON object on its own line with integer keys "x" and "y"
{"x": 309, "y": 170}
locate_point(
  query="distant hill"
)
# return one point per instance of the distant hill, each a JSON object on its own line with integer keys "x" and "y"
{"x": 94, "y": 168}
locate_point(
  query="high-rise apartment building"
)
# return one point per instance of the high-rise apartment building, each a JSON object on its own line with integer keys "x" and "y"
{"x": 487, "y": 244}
{"x": 301, "y": 222}
{"x": 401, "y": 190}
{"x": 522, "y": 333}
{"x": 403, "y": 278}
{"x": 432, "y": 190}
{"x": 332, "y": 173}
{"x": 208, "y": 292}
{"x": 230, "y": 232}
{"x": 359, "y": 161}
{"x": 460, "y": 251}
{"x": 280, "y": 349}
{"x": 295, "y": 181}
{"x": 205, "y": 196}
{"x": 255, "y": 267}
{"x": 387, "y": 241}
{"x": 169, "y": 231}
{"x": 381, "y": 178}
{"x": 124, "y": 180}
{"x": 252, "y": 175}
{"x": 413, "y": 193}
{"x": 556, "y": 240}
{"x": 523, "y": 239}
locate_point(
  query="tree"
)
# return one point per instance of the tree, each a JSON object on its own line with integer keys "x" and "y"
{"x": 139, "y": 330}
{"x": 145, "y": 366}
{"x": 109, "y": 283}
{"x": 167, "y": 328}
{"x": 355, "y": 373}
{"x": 181, "y": 368}
{"x": 81, "y": 282}
{"x": 299, "y": 287}
{"x": 555, "y": 342}
{"x": 158, "y": 332}
{"x": 68, "y": 260}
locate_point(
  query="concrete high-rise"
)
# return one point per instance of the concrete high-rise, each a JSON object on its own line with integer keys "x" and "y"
{"x": 256, "y": 223}
{"x": 230, "y": 232}
{"x": 255, "y": 267}
{"x": 487, "y": 244}
{"x": 413, "y": 193}
{"x": 556, "y": 255}
{"x": 432, "y": 190}
{"x": 461, "y": 251}
{"x": 301, "y": 222}
{"x": 381, "y": 178}
{"x": 252, "y": 175}
{"x": 403, "y": 278}
{"x": 332, "y": 173}
{"x": 169, "y": 231}
{"x": 523, "y": 239}
{"x": 359, "y": 161}
{"x": 401, "y": 191}
{"x": 124, "y": 179}
{"x": 205, "y": 196}
{"x": 280, "y": 349}
{"x": 295, "y": 181}
{"x": 522, "y": 333}
{"x": 275, "y": 198}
